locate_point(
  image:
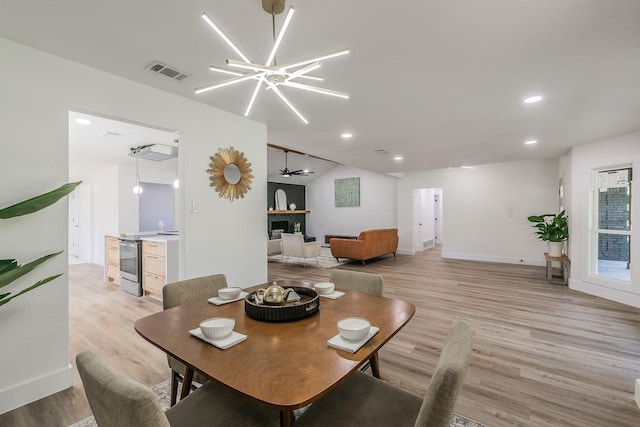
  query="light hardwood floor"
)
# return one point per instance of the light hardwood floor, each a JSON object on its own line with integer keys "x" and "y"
{"x": 544, "y": 355}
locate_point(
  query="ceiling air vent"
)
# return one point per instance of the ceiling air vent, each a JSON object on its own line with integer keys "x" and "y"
{"x": 382, "y": 152}
{"x": 165, "y": 70}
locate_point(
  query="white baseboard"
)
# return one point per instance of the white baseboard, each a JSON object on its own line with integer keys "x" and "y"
{"x": 25, "y": 393}
{"x": 627, "y": 298}
{"x": 492, "y": 258}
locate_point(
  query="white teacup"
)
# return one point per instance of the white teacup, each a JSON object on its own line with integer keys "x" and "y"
{"x": 217, "y": 327}
{"x": 324, "y": 288}
{"x": 229, "y": 293}
{"x": 354, "y": 328}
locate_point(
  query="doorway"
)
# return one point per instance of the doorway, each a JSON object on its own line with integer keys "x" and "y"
{"x": 104, "y": 203}
{"x": 427, "y": 218}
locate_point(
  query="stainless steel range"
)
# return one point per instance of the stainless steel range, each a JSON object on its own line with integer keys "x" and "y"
{"x": 131, "y": 264}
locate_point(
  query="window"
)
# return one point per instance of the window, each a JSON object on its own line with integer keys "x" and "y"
{"x": 611, "y": 230}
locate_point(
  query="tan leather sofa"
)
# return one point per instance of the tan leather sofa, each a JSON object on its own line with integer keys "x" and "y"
{"x": 370, "y": 244}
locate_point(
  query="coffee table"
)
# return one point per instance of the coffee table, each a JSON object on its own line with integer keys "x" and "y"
{"x": 284, "y": 366}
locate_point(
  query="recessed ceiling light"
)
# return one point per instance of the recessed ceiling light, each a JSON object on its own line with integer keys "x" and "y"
{"x": 346, "y": 135}
{"x": 81, "y": 121}
{"x": 466, "y": 167}
{"x": 397, "y": 158}
{"x": 533, "y": 99}
{"x": 531, "y": 142}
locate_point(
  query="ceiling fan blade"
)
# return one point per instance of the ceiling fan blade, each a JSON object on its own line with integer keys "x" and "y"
{"x": 316, "y": 89}
{"x": 227, "y": 82}
{"x": 316, "y": 58}
{"x": 278, "y": 40}
{"x": 301, "y": 172}
{"x": 253, "y": 98}
{"x": 286, "y": 101}
{"x": 224, "y": 37}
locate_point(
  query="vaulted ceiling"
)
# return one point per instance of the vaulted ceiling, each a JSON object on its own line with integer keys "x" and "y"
{"x": 440, "y": 83}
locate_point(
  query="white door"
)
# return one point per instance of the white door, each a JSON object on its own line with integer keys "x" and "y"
{"x": 74, "y": 231}
{"x": 417, "y": 221}
{"x": 437, "y": 212}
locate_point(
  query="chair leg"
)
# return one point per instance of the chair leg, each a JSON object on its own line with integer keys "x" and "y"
{"x": 174, "y": 387}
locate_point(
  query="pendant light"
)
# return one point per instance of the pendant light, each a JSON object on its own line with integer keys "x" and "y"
{"x": 137, "y": 189}
{"x": 176, "y": 182}
{"x": 270, "y": 75}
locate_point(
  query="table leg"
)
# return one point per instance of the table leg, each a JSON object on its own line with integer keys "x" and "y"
{"x": 186, "y": 382}
{"x": 549, "y": 272}
{"x": 286, "y": 418}
{"x": 375, "y": 365}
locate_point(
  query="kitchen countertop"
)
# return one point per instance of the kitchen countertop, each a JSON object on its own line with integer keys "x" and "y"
{"x": 153, "y": 237}
{"x": 160, "y": 238}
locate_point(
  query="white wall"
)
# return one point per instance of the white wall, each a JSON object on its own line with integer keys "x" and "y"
{"x": 221, "y": 237}
{"x": 579, "y": 164}
{"x": 377, "y": 204}
{"x": 106, "y": 208}
{"x": 484, "y": 210}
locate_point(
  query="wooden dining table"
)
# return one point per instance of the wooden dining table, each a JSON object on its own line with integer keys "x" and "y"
{"x": 283, "y": 365}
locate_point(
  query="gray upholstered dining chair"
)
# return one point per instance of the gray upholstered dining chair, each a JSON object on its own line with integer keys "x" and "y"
{"x": 187, "y": 292}
{"x": 118, "y": 401}
{"x": 366, "y": 401}
{"x": 367, "y": 283}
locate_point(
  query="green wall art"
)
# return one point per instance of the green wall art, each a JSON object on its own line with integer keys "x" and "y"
{"x": 347, "y": 192}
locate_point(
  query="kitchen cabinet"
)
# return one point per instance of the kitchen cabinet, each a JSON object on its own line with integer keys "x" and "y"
{"x": 112, "y": 262}
{"x": 159, "y": 265}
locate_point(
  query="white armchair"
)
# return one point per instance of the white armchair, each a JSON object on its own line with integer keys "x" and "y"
{"x": 274, "y": 247}
{"x": 294, "y": 245}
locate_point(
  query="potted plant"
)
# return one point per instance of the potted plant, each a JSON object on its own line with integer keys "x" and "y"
{"x": 553, "y": 229}
{"x": 10, "y": 270}
{"x": 296, "y": 228}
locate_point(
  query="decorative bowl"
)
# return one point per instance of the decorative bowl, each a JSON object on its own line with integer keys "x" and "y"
{"x": 229, "y": 293}
{"x": 354, "y": 328}
{"x": 217, "y": 327}
{"x": 324, "y": 288}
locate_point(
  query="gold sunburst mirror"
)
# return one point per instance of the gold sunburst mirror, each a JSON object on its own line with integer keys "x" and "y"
{"x": 230, "y": 173}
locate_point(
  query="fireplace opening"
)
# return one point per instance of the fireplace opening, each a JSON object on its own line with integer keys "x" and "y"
{"x": 279, "y": 225}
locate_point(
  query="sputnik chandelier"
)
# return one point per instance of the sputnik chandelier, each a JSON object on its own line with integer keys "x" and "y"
{"x": 270, "y": 74}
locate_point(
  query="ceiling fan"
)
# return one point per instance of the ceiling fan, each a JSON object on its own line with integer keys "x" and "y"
{"x": 274, "y": 76}
{"x": 286, "y": 173}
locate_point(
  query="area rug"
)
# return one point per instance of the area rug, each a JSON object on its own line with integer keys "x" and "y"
{"x": 163, "y": 391}
{"x": 325, "y": 260}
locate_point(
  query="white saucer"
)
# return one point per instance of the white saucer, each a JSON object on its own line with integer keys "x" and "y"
{"x": 220, "y": 301}
{"x": 333, "y": 295}
{"x": 351, "y": 346}
{"x": 225, "y": 342}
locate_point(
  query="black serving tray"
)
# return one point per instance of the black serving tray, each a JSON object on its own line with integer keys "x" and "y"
{"x": 308, "y": 305}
